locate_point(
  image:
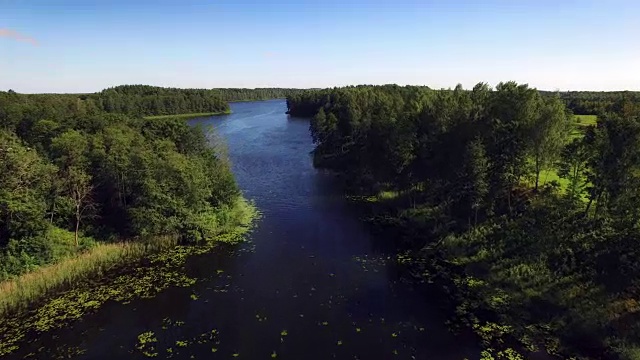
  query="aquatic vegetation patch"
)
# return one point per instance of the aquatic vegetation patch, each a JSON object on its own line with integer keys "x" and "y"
{"x": 149, "y": 345}
{"x": 144, "y": 279}
{"x": 506, "y": 354}
{"x": 371, "y": 263}
{"x": 146, "y": 344}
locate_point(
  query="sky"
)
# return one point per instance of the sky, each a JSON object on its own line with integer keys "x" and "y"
{"x": 73, "y": 46}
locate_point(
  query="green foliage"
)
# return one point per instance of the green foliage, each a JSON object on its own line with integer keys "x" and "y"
{"x": 494, "y": 180}
{"x": 69, "y": 168}
{"x": 234, "y": 94}
{"x": 592, "y": 102}
{"x": 548, "y": 135}
{"x": 613, "y": 168}
{"x": 475, "y": 178}
{"x": 572, "y": 166}
{"x": 146, "y": 344}
{"x": 145, "y": 100}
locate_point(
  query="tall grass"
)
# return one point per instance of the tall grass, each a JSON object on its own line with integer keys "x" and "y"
{"x": 19, "y": 293}
{"x": 225, "y": 225}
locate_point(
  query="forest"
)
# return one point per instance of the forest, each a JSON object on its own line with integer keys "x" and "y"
{"x": 144, "y": 100}
{"x": 74, "y": 175}
{"x": 138, "y": 100}
{"x": 522, "y": 213}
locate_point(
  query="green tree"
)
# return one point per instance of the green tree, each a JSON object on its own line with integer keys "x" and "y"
{"x": 80, "y": 190}
{"x": 24, "y": 183}
{"x": 548, "y": 135}
{"x": 572, "y": 166}
{"x": 317, "y": 126}
{"x": 514, "y": 108}
{"x": 70, "y": 154}
{"x": 42, "y": 133}
{"x": 475, "y": 177}
{"x": 613, "y": 168}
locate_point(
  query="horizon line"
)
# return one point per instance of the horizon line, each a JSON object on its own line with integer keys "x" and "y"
{"x": 309, "y": 88}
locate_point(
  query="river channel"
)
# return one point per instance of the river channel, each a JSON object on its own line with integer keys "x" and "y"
{"x": 312, "y": 282}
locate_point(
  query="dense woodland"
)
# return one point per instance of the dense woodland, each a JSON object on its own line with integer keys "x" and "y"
{"x": 527, "y": 218}
{"x": 72, "y": 174}
{"x": 141, "y": 100}
{"x": 151, "y": 100}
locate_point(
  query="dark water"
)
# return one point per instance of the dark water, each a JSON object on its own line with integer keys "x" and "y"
{"x": 311, "y": 268}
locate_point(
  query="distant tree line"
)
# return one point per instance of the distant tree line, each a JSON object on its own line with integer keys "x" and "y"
{"x": 529, "y": 220}
{"x": 152, "y": 100}
{"x": 597, "y": 102}
{"x": 579, "y": 102}
{"x": 232, "y": 94}
{"x": 143, "y": 100}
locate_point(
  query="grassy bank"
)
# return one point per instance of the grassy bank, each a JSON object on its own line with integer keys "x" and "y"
{"x": 52, "y": 296}
{"x": 188, "y": 116}
{"x": 17, "y": 294}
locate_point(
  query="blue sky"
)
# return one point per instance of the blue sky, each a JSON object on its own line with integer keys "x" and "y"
{"x": 85, "y": 46}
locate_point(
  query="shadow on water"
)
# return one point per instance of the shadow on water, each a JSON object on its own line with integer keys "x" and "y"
{"x": 309, "y": 284}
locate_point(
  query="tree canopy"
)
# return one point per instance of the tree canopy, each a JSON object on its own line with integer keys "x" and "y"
{"x": 72, "y": 173}
{"x": 531, "y": 227}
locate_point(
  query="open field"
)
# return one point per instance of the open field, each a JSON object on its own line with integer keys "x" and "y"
{"x": 581, "y": 123}
{"x": 586, "y": 120}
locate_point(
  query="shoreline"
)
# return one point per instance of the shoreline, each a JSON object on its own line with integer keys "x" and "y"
{"x": 436, "y": 273}
{"x": 255, "y": 100}
{"x": 205, "y": 114}
{"x": 187, "y": 115}
{"x": 51, "y": 297}
{"x": 460, "y": 292}
{"x": 22, "y": 292}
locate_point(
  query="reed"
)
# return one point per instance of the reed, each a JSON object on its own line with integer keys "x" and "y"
{"x": 226, "y": 224}
{"x": 18, "y": 293}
